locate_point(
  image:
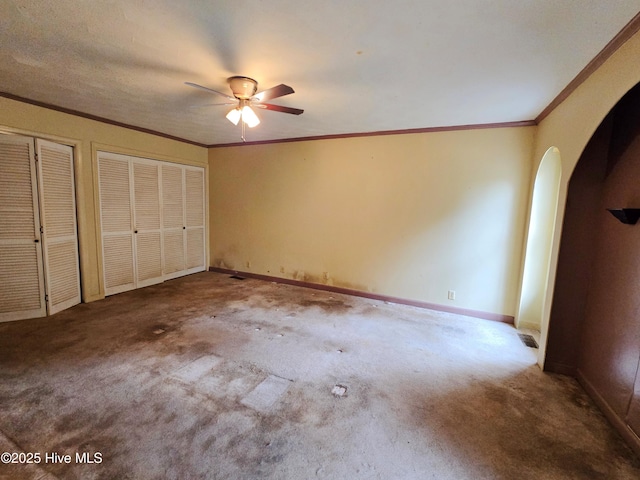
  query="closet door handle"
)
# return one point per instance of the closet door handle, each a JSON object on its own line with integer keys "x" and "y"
{"x": 135, "y": 231}
{"x": 36, "y": 240}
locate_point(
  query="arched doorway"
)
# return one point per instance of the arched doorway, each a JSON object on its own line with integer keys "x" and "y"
{"x": 544, "y": 207}
{"x": 594, "y": 327}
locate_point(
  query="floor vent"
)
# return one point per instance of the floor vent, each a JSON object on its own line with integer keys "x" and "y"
{"x": 236, "y": 277}
{"x": 528, "y": 340}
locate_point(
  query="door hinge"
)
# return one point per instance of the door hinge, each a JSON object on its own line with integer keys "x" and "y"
{"x": 36, "y": 156}
{"x": 46, "y": 298}
{"x": 41, "y": 229}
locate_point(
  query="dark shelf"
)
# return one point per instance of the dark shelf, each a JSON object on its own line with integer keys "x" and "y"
{"x": 628, "y": 216}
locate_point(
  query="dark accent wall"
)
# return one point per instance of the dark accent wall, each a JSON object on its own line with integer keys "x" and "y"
{"x": 576, "y": 251}
{"x": 594, "y": 328}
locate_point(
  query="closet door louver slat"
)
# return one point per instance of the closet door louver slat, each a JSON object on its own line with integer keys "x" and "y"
{"x": 58, "y": 213}
{"x": 115, "y": 218}
{"x": 21, "y": 263}
{"x": 173, "y": 220}
{"x": 146, "y": 178}
{"x": 195, "y": 219}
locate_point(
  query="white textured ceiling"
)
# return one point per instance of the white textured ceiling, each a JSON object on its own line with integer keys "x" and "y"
{"x": 356, "y": 66}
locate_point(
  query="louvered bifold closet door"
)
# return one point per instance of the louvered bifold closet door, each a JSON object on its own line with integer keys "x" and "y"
{"x": 147, "y": 234}
{"x": 58, "y": 216}
{"x": 195, "y": 218}
{"x": 21, "y": 267}
{"x": 173, "y": 222}
{"x": 116, "y": 221}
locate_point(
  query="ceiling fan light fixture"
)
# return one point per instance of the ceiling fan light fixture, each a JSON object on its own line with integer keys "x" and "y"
{"x": 249, "y": 117}
{"x": 243, "y": 87}
{"x": 234, "y": 116}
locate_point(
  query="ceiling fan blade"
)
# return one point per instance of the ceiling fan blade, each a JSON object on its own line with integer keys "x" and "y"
{"x": 273, "y": 92}
{"x": 279, "y": 108}
{"x": 195, "y": 85}
{"x": 213, "y": 104}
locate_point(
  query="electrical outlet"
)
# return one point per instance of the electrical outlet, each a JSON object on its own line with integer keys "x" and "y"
{"x": 451, "y": 295}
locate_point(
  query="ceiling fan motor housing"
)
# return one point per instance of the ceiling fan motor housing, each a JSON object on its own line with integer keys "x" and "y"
{"x": 243, "y": 87}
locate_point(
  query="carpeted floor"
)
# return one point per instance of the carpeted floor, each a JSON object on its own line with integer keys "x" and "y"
{"x": 215, "y": 378}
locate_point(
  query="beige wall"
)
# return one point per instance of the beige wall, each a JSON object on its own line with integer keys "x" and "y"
{"x": 570, "y": 126}
{"x": 410, "y": 216}
{"x": 88, "y": 136}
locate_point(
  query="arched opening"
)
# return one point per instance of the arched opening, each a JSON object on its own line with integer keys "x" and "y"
{"x": 594, "y": 327}
{"x": 544, "y": 206}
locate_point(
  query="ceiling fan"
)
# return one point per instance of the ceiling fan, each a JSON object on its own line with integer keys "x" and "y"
{"x": 244, "y": 97}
